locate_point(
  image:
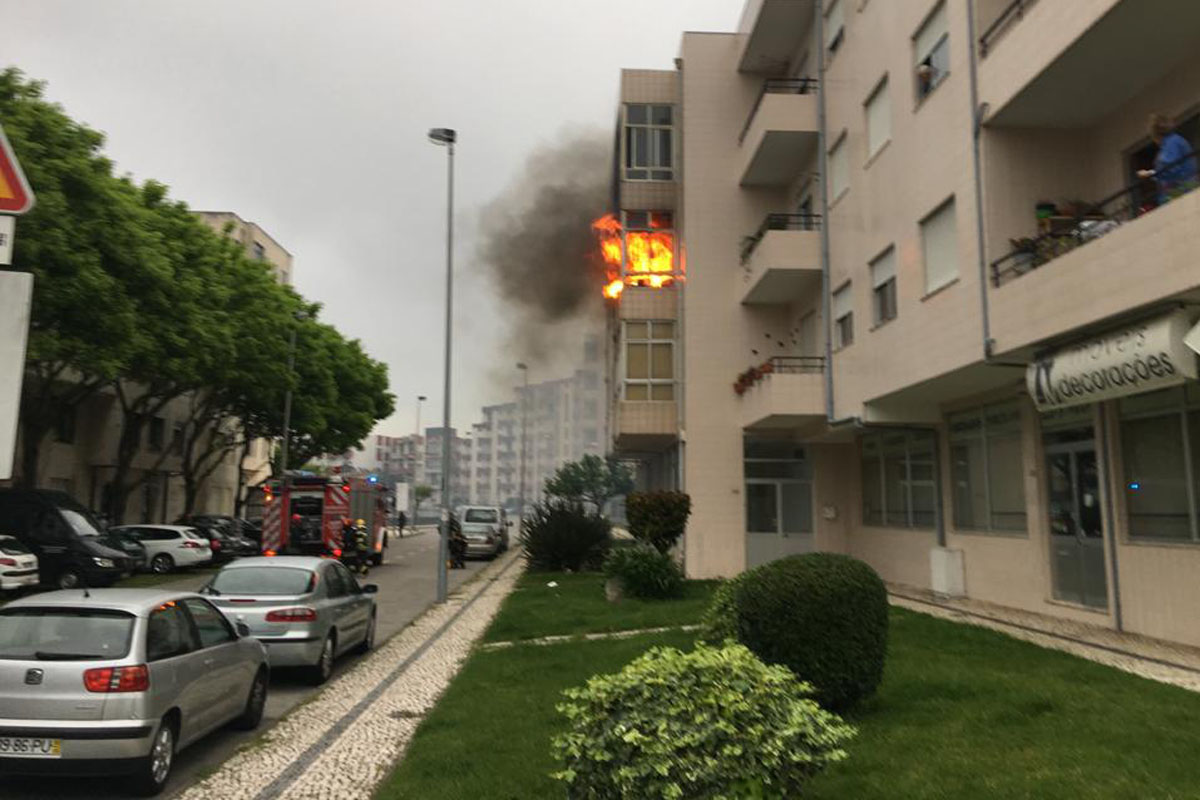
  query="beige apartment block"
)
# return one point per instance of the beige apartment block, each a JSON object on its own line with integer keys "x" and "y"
{"x": 926, "y": 311}
{"x": 257, "y": 242}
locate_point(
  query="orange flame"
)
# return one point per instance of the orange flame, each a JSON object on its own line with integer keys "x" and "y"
{"x": 649, "y": 256}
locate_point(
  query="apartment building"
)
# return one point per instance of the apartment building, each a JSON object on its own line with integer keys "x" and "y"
{"x": 394, "y": 458}
{"x": 79, "y": 458}
{"x": 923, "y": 309}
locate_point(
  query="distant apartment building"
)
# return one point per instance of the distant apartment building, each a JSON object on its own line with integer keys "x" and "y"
{"x": 396, "y": 458}
{"x": 79, "y": 457}
{"x": 922, "y": 308}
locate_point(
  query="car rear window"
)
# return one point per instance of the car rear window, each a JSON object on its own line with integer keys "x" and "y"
{"x": 11, "y": 547}
{"x": 263, "y": 580}
{"x": 480, "y": 515}
{"x": 64, "y": 634}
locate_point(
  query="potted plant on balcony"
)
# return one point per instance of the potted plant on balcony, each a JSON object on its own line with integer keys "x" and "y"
{"x": 766, "y": 368}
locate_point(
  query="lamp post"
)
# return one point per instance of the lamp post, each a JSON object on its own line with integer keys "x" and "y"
{"x": 412, "y": 472}
{"x": 447, "y": 137}
{"x": 524, "y": 425}
{"x": 299, "y": 316}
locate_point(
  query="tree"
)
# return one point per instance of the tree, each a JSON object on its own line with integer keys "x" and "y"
{"x": 591, "y": 478}
{"x": 421, "y": 493}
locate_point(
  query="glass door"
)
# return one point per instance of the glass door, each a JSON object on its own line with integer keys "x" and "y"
{"x": 1076, "y": 521}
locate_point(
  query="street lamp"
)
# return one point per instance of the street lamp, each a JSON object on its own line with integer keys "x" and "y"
{"x": 524, "y": 424}
{"x": 299, "y": 316}
{"x": 447, "y": 137}
{"x": 412, "y": 472}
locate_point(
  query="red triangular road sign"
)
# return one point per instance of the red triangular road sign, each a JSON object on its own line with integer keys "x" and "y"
{"x": 15, "y": 195}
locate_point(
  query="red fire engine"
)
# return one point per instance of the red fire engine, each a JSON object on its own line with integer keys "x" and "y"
{"x": 304, "y": 515}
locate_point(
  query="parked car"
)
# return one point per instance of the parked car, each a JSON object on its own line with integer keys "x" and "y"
{"x": 235, "y": 533}
{"x": 64, "y": 536}
{"x": 18, "y": 566}
{"x": 117, "y": 681}
{"x": 486, "y": 530}
{"x": 170, "y": 546}
{"x": 130, "y": 546}
{"x": 306, "y": 610}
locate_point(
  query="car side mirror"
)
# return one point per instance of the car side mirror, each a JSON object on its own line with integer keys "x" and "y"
{"x": 243, "y": 630}
{"x": 370, "y": 588}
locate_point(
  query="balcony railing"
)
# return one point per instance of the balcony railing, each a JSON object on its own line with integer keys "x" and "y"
{"x": 1086, "y": 223}
{"x": 1013, "y": 12}
{"x": 784, "y": 365}
{"x": 778, "y": 86}
{"x": 779, "y": 222}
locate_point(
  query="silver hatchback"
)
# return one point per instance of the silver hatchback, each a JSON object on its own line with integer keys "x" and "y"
{"x": 306, "y": 610}
{"x": 116, "y": 681}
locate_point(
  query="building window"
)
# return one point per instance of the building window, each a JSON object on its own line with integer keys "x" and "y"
{"x": 883, "y": 282}
{"x": 939, "y": 244}
{"x": 835, "y": 27}
{"x": 931, "y": 48}
{"x": 649, "y": 250}
{"x": 157, "y": 433}
{"x": 64, "y": 429}
{"x": 879, "y": 118}
{"x": 260, "y": 252}
{"x": 177, "y": 439}
{"x": 898, "y": 479}
{"x": 839, "y": 169}
{"x": 1160, "y": 453}
{"x": 649, "y": 360}
{"x": 986, "y": 469}
{"x": 778, "y": 487}
{"x": 649, "y": 150}
{"x": 843, "y": 318}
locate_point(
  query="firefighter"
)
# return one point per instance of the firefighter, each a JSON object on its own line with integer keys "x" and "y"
{"x": 457, "y": 546}
{"x": 362, "y": 547}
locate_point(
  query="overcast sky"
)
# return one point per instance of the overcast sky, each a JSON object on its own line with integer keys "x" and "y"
{"x": 309, "y": 118}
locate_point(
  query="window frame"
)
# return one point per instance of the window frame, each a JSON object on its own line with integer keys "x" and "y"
{"x": 835, "y": 153}
{"x": 985, "y": 442}
{"x": 834, "y": 41}
{"x": 921, "y": 95}
{"x": 950, "y": 203}
{"x": 653, "y": 131}
{"x": 649, "y": 381}
{"x": 888, "y": 285}
{"x": 230, "y": 633}
{"x": 882, "y": 90}
{"x": 908, "y": 481}
{"x": 1186, "y": 403}
{"x": 840, "y": 339}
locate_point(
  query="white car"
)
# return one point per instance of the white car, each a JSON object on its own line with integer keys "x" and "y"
{"x": 18, "y": 566}
{"x": 169, "y": 547}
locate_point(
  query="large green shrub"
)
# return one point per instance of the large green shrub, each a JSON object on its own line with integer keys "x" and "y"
{"x": 713, "y": 723}
{"x": 559, "y": 535}
{"x": 658, "y": 518}
{"x": 644, "y": 572}
{"x": 720, "y": 619}
{"x": 823, "y": 615}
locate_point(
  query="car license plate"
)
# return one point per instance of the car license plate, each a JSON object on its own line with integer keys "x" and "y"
{"x": 30, "y": 748}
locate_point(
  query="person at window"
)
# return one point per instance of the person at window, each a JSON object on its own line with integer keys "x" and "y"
{"x": 1175, "y": 163}
{"x": 926, "y": 72}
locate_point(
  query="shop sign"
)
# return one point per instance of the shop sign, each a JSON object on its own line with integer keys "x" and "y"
{"x": 1141, "y": 358}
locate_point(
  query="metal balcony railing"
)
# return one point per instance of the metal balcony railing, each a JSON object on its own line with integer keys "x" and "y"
{"x": 779, "y": 222}
{"x": 778, "y": 86}
{"x": 1009, "y": 16}
{"x": 1087, "y": 222}
{"x": 797, "y": 365}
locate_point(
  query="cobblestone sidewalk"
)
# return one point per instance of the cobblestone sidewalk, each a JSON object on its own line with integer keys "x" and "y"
{"x": 341, "y": 744}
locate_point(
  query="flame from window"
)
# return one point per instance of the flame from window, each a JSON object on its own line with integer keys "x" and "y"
{"x": 649, "y": 256}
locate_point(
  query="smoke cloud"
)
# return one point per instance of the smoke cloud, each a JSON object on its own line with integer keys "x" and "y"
{"x": 537, "y": 245}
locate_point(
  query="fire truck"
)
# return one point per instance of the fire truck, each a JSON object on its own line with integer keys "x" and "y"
{"x": 303, "y": 515}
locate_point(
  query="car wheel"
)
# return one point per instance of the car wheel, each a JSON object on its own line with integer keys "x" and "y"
{"x": 162, "y": 564}
{"x": 153, "y": 770}
{"x": 68, "y": 579}
{"x": 256, "y": 702}
{"x": 368, "y": 641}
{"x": 323, "y": 669}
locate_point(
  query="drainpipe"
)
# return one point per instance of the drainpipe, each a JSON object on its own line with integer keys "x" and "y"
{"x": 977, "y": 113}
{"x": 680, "y": 288}
{"x": 823, "y": 159}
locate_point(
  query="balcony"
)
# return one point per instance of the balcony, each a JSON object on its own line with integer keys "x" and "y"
{"x": 785, "y": 392}
{"x": 1070, "y": 65}
{"x": 782, "y": 260}
{"x": 775, "y": 30}
{"x": 780, "y": 134}
{"x": 646, "y": 425}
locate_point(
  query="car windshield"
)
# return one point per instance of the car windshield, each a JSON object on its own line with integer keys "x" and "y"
{"x": 481, "y": 515}
{"x": 11, "y": 547}
{"x": 263, "y": 580}
{"x": 64, "y": 634}
{"x": 80, "y": 522}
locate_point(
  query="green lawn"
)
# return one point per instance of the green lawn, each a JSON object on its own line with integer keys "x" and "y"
{"x": 143, "y": 580}
{"x": 577, "y": 605}
{"x": 963, "y": 713}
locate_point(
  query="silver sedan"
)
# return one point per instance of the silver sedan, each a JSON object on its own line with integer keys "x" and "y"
{"x": 306, "y": 610}
{"x": 116, "y": 681}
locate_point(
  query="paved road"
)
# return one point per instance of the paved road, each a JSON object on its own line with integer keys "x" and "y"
{"x": 407, "y": 585}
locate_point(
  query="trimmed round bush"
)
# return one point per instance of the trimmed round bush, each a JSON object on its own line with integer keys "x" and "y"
{"x": 562, "y": 535}
{"x": 645, "y": 572}
{"x": 720, "y": 618}
{"x": 713, "y": 723}
{"x": 822, "y": 615}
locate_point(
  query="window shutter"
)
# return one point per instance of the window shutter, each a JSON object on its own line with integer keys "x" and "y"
{"x": 842, "y": 302}
{"x": 933, "y": 30}
{"x": 833, "y": 23}
{"x": 883, "y": 268}
{"x": 879, "y": 119}
{"x": 939, "y": 238}
{"x": 839, "y": 169}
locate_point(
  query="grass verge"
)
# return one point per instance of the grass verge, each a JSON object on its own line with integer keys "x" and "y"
{"x": 577, "y": 605}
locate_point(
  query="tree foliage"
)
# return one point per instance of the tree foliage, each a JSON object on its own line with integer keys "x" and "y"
{"x": 135, "y": 296}
{"x": 591, "y": 479}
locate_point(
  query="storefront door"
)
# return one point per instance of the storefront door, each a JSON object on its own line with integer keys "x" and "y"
{"x": 1076, "y": 518}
